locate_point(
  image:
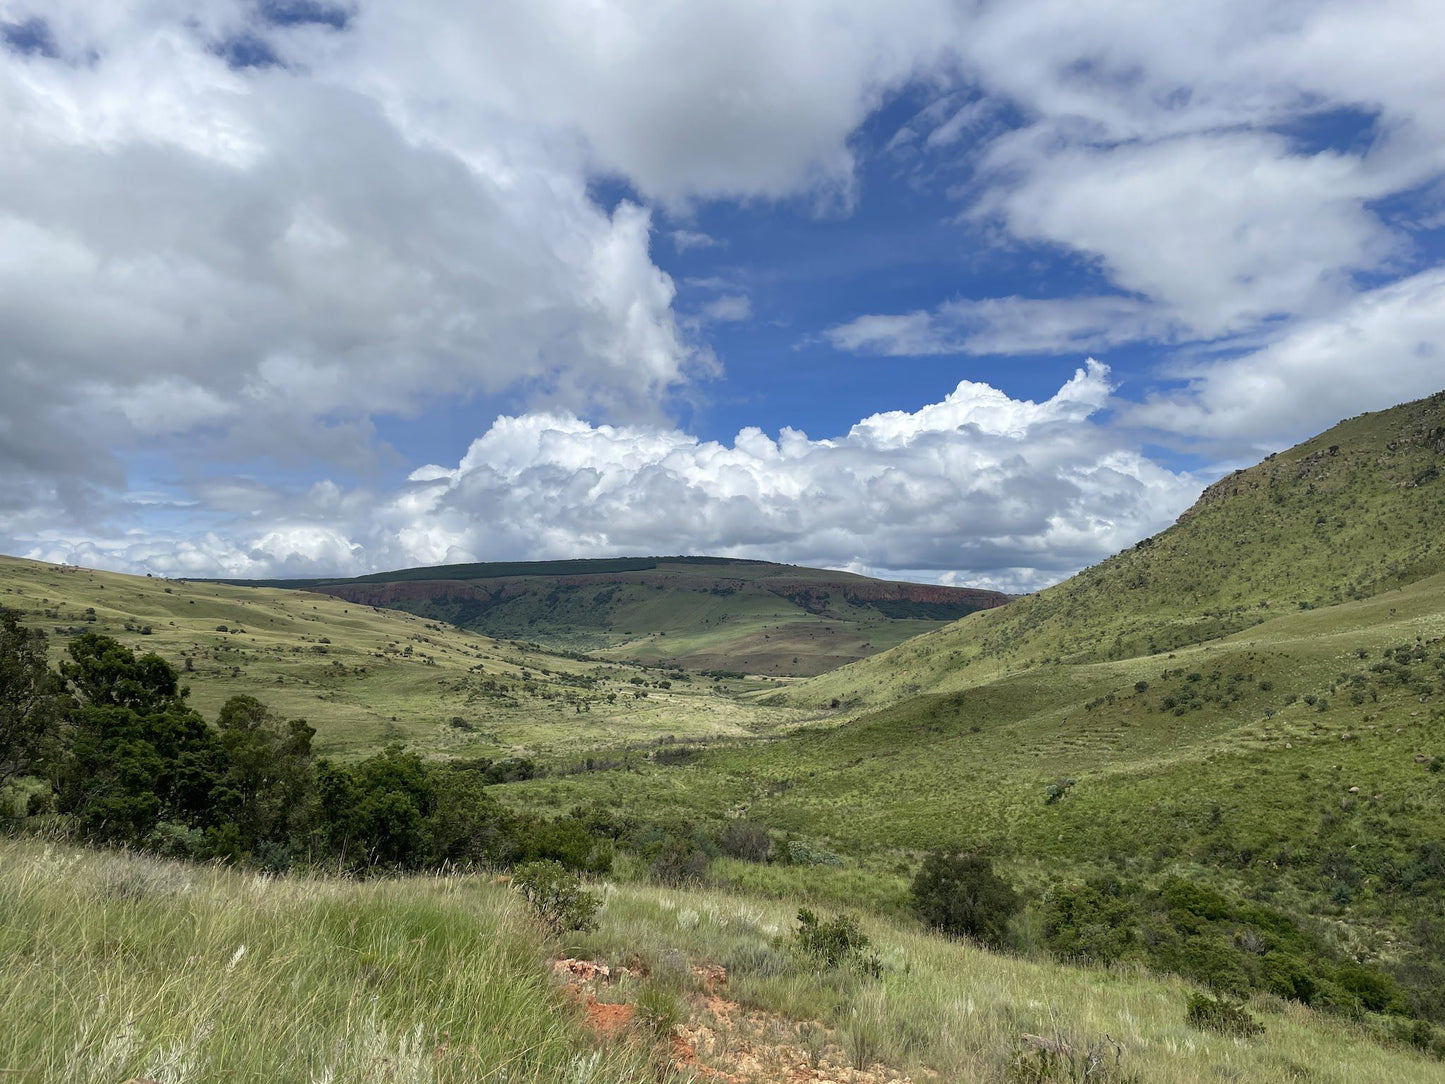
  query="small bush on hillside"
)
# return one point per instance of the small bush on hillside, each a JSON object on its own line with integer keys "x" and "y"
{"x": 659, "y": 1008}
{"x": 746, "y": 840}
{"x": 557, "y": 897}
{"x": 1039, "y": 1059}
{"x": 837, "y": 943}
{"x": 961, "y": 895}
{"x": 1222, "y": 1015}
{"x": 1057, "y": 789}
{"x": 799, "y": 853}
{"x": 676, "y": 861}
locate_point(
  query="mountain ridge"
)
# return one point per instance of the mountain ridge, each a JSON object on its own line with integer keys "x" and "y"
{"x": 703, "y": 613}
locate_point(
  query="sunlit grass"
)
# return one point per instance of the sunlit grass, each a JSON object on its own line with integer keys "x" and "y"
{"x": 116, "y": 966}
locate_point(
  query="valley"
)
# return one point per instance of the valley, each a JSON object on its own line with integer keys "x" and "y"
{"x": 1214, "y": 762}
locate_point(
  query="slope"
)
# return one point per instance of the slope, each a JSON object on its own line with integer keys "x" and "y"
{"x": 366, "y": 676}
{"x": 1347, "y": 515}
{"x": 700, "y": 613}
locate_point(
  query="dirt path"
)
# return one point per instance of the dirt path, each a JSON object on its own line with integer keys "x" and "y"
{"x": 720, "y": 1040}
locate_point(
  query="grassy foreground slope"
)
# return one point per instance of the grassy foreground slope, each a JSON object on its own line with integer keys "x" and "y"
{"x": 701, "y": 613}
{"x": 364, "y": 676}
{"x": 1355, "y": 511}
{"x": 116, "y": 966}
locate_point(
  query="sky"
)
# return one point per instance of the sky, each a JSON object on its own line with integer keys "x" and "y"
{"x": 962, "y": 292}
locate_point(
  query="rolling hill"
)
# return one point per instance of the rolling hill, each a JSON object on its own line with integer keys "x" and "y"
{"x": 700, "y": 613}
{"x": 1251, "y": 701}
{"x": 1354, "y": 512}
{"x": 366, "y": 676}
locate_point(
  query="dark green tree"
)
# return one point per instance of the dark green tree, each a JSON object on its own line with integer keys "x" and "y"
{"x": 264, "y": 802}
{"x": 963, "y": 896}
{"x": 32, "y": 700}
{"x": 138, "y": 754}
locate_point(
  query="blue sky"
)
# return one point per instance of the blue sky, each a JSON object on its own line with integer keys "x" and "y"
{"x": 971, "y": 293}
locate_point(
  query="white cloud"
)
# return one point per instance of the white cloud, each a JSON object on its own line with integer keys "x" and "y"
{"x": 977, "y": 487}
{"x": 684, "y": 240}
{"x": 728, "y": 308}
{"x": 1005, "y": 325}
{"x": 713, "y": 98}
{"x": 1220, "y": 231}
{"x": 1386, "y": 347}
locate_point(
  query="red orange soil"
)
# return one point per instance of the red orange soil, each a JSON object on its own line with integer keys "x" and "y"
{"x": 722, "y": 1041}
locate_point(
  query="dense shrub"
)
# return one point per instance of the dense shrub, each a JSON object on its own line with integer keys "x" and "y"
{"x": 675, "y": 860}
{"x": 557, "y": 897}
{"x": 961, "y": 895}
{"x": 835, "y": 943}
{"x": 746, "y": 840}
{"x": 1221, "y": 1015}
{"x": 1091, "y": 922}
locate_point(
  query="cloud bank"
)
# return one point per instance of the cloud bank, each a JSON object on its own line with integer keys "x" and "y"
{"x": 979, "y": 487}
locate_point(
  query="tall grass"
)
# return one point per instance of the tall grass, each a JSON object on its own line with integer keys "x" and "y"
{"x": 947, "y": 1007}
{"x": 115, "y": 966}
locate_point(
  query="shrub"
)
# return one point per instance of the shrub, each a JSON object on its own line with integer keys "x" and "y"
{"x": 835, "y": 943}
{"x": 676, "y": 861}
{"x": 659, "y": 1008}
{"x": 746, "y": 840}
{"x": 1083, "y": 922}
{"x": 963, "y": 896}
{"x": 1222, "y": 1015}
{"x": 800, "y": 854}
{"x": 1057, "y": 789}
{"x": 557, "y": 897}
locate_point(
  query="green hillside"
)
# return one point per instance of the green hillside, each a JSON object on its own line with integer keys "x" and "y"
{"x": 1347, "y": 515}
{"x": 700, "y": 613}
{"x": 119, "y": 967}
{"x": 1251, "y": 701}
{"x": 365, "y": 676}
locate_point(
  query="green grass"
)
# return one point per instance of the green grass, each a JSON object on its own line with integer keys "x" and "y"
{"x": 946, "y": 1007}
{"x": 115, "y": 967}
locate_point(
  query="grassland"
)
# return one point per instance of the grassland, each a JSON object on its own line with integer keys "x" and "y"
{"x": 116, "y": 966}
{"x": 944, "y": 1007}
{"x": 1252, "y": 762}
{"x": 365, "y": 676}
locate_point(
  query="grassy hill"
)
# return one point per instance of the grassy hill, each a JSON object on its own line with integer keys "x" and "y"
{"x": 700, "y": 613}
{"x": 117, "y": 967}
{"x": 1252, "y": 700}
{"x": 1354, "y": 512}
{"x": 365, "y": 676}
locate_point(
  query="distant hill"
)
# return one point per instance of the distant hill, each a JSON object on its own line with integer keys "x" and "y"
{"x": 703, "y": 613}
{"x": 1347, "y": 515}
{"x": 365, "y": 677}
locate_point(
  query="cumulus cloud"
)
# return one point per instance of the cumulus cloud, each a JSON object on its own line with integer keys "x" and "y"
{"x": 978, "y": 487}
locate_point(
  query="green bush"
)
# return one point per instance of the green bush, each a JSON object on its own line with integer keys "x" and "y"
{"x": 833, "y": 944}
{"x": 659, "y": 1008}
{"x": 557, "y": 897}
{"x": 746, "y": 840}
{"x": 1219, "y": 1014}
{"x": 961, "y": 895}
{"x": 1087, "y": 922}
